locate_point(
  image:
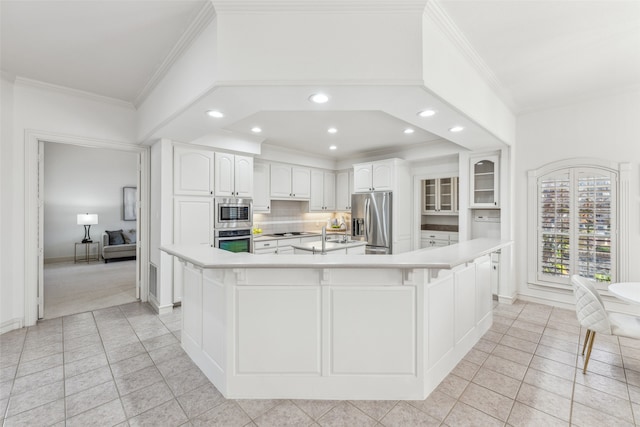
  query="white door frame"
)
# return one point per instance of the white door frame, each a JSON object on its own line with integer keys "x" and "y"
{"x": 34, "y": 256}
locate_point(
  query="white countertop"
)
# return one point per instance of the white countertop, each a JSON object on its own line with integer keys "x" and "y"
{"x": 447, "y": 257}
{"x": 329, "y": 246}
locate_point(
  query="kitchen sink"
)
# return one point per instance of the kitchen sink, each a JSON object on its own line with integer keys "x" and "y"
{"x": 293, "y": 233}
{"x": 338, "y": 241}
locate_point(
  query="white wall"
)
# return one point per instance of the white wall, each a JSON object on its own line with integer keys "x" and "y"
{"x": 83, "y": 180}
{"x": 605, "y": 128}
{"x": 51, "y": 112}
{"x": 11, "y": 297}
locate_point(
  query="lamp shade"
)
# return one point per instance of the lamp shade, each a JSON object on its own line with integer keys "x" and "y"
{"x": 87, "y": 219}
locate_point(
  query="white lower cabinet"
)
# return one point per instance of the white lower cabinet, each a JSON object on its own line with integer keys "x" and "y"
{"x": 436, "y": 239}
{"x": 192, "y": 224}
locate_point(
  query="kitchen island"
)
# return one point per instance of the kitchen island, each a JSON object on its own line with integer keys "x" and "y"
{"x": 334, "y": 327}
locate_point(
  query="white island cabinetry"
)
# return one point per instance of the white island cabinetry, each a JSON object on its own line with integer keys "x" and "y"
{"x": 334, "y": 327}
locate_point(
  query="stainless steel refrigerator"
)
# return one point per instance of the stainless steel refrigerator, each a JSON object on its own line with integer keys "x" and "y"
{"x": 371, "y": 220}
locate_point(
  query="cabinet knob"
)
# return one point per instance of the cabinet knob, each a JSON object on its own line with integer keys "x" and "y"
{"x": 211, "y": 192}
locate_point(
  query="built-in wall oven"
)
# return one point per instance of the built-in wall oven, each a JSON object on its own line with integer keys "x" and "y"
{"x": 234, "y": 240}
{"x": 231, "y": 212}
{"x": 233, "y": 219}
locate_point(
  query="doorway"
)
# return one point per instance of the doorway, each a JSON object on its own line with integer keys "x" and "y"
{"x": 34, "y": 231}
{"x": 79, "y": 181}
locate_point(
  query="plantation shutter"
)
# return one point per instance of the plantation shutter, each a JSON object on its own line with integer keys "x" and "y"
{"x": 554, "y": 227}
{"x": 576, "y": 225}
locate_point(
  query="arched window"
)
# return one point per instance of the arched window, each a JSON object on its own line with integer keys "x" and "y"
{"x": 574, "y": 222}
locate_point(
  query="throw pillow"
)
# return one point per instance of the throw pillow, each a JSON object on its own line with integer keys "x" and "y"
{"x": 129, "y": 236}
{"x": 115, "y": 237}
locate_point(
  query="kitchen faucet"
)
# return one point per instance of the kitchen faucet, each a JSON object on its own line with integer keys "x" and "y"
{"x": 324, "y": 240}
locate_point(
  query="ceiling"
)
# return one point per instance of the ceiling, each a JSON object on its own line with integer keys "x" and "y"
{"x": 537, "y": 54}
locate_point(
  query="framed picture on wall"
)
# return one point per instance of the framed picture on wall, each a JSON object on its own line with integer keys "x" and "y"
{"x": 129, "y": 203}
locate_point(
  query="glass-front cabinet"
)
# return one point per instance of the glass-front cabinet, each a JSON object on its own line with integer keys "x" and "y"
{"x": 484, "y": 175}
{"x": 440, "y": 196}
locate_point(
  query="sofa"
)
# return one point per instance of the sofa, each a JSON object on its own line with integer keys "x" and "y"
{"x": 119, "y": 245}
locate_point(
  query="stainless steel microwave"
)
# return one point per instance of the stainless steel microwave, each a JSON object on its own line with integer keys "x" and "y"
{"x": 233, "y": 213}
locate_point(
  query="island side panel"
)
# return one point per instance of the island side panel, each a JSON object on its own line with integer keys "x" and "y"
{"x": 458, "y": 313}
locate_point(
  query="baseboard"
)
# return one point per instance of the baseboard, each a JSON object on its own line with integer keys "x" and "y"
{"x": 547, "y": 301}
{"x": 10, "y": 325}
{"x": 507, "y": 300}
{"x": 58, "y": 260}
{"x": 159, "y": 309}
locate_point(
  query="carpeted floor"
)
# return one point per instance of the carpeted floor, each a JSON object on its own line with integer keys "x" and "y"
{"x": 75, "y": 288}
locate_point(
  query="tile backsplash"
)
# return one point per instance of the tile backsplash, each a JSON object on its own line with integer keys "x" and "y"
{"x": 290, "y": 215}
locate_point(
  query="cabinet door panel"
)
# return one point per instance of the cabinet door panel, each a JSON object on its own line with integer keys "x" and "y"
{"x": 193, "y": 172}
{"x": 316, "y": 201}
{"x": 261, "y": 199}
{"x": 382, "y": 176}
{"x": 280, "y": 181}
{"x": 343, "y": 191}
{"x": 243, "y": 176}
{"x": 301, "y": 182}
{"x": 224, "y": 174}
{"x": 362, "y": 178}
{"x": 329, "y": 191}
{"x": 193, "y": 220}
{"x": 484, "y": 175}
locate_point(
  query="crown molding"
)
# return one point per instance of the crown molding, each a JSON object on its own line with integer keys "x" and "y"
{"x": 280, "y": 6}
{"x": 204, "y": 17}
{"x": 23, "y": 81}
{"x": 434, "y": 10}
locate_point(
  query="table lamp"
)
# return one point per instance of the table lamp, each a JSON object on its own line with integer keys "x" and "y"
{"x": 87, "y": 220}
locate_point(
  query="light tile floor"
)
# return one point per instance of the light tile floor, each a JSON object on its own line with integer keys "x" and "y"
{"x": 124, "y": 366}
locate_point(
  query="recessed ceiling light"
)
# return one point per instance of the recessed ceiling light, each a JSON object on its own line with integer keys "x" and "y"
{"x": 456, "y": 129}
{"x": 408, "y": 130}
{"x": 319, "y": 98}
{"x": 332, "y": 130}
{"x": 256, "y": 129}
{"x": 332, "y": 147}
{"x": 215, "y": 113}
{"x": 427, "y": 113}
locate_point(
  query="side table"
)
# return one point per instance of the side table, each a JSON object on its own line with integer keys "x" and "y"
{"x": 87, "y": 255}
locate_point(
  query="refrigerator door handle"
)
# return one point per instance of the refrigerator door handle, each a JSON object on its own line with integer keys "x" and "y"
{"x": 367, "y": 219}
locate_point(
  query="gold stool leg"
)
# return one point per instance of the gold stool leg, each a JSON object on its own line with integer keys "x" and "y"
{"x": 586, "y": 360}
{"x": 586, "y": 339}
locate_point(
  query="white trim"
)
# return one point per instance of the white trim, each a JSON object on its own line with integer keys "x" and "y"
{"x": 23, "y": 81}
{"x": 434, "y": 10}
{"x": 32, "y": 139}
{"x": 10, "y": 325}
{"x": 620, "y": 192}
{"x": 330, "y": 6}
{"x": 203, "y": 19}
{"x": 624, "y": 207}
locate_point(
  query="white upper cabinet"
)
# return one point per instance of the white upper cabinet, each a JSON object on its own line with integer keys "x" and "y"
{"x": 323, "y": 191}
{"x": 290, "y": 182}
{"x": 344, "y": 188}
{"x": 440, "y": 196}
{"x": 484, "y": 175}
{"x": 261, "y": 199}
{"x": 193, "y": 172}
{"x": 233, "y": 175}
{"x": 374, "y": 176}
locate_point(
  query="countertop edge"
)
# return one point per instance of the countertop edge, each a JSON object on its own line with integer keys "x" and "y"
{"x": 447, "y": 257}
